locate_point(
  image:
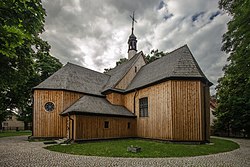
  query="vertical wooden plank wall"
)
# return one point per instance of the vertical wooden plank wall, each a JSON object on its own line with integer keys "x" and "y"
{"x": 178, "y": 110}
{"x": 115, "y": 98}
{"x": 92, "y": 127}
{"x": 70, "y": 98}
{"x": 187, "y": 110}
{"x": 51, "y": 124}
{"x": 158, "y": 124}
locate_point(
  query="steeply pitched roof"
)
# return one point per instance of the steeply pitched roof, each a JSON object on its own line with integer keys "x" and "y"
{"x": 120, "y": 71}
{"x": 97, "y": 105}
{"x": 179, "y": 63}
{"x": 76, "y": 78}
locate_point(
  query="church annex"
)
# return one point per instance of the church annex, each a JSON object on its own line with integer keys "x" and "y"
{"x": 167, "y": 99}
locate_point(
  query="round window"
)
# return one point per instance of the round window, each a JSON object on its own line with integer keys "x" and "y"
{"x": 49, "y": 106}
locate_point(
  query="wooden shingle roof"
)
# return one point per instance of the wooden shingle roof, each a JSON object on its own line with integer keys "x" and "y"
{"x": 75, "y": 78}
{"x": 180, "y": 63}
{"x": 97, "y": 106}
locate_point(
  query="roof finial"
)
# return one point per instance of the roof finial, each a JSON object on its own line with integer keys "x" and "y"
{"x": 133, "y": 20}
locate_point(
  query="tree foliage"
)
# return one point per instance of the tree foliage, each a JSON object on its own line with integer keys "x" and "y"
{"x": 154, "y": 55}
{"x": 233, "y": 90}
{"x": 24, "y": 57}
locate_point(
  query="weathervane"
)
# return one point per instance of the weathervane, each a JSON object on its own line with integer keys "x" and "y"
{"x": 133, "y": 20}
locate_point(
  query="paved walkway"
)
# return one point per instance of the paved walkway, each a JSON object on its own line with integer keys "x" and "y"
{"x": 17, "y": 151}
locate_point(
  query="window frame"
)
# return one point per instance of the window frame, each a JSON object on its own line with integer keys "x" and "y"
{"x": 143, "y": 107}
{"x": 106, "y": 125}
{"x": 49, "y": 106}
{"x": 129, "y": 125}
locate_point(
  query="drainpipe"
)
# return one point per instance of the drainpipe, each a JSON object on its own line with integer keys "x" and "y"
{"x": 205, "y": 111}
{"x": 72, "y": 126}
{"x": 134, "y": 99}
{"x": 32, "y": 123}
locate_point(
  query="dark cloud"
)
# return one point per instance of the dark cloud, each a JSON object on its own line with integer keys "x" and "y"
{"x": 166, "y": 17}
{"x": 197, "y": 15}
{"x": 94, "y": 33}
{"x": 161, "y": 5}
{"x": 214, "y": 14}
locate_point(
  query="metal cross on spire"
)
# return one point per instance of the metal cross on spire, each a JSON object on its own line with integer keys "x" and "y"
{"x": 133, "y": 20}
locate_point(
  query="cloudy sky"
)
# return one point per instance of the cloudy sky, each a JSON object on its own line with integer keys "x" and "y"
{"x": 94, "y": 33}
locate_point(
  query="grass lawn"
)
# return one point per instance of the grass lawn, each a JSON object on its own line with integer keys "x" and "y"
{"x": 118, "y": 148}
{"x": 14, "y": 133}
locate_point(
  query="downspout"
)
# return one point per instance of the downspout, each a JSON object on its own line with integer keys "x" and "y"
{"x": 32, "y": 124}
{"x": 72, "y": 126}
{"x": 134, "y": 99}
{"x": 205, "y": 111}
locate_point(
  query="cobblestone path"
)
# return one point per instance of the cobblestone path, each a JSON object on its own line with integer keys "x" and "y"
{"x": 17, "y": 151}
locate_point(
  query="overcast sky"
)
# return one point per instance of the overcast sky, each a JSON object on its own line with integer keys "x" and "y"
{"x": 94, "y": 33}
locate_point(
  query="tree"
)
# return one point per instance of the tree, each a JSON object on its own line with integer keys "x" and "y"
{"x": 24, "y": 56}
{"x": 122, "y": 60}
{"x": 44, "y": 67}
{"x": 233, "y": 90}
{"x": 154, "y": 55}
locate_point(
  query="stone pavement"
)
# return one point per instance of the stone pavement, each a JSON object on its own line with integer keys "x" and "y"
{"x": 17, "y": 151}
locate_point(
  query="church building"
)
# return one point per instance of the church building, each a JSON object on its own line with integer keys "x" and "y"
{"x": 167, "y": 99}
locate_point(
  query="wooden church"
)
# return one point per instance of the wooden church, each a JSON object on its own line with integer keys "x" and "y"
{"x": 167, "y": 99}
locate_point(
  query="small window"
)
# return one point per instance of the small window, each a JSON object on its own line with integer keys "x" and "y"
{"x": 143, "y": 107}
{"x": 49, "y": 106}
{"x": 106, "y": 124}
{"x": 135, "y": 69}
{"x": 129, "y": 125}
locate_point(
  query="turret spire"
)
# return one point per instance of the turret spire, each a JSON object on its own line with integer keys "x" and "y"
{"x": 132, "y": 40}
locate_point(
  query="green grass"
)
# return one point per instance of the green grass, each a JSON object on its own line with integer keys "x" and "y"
{"x": 14, "y": 133}
{"x": 118, "y": 148}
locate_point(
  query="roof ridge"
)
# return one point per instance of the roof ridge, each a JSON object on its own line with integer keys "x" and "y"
{"x": 193, "y": 59}
{"x": 183, "y": 46}
{"x": 120, "y": 71}
{"x": 138, "y": 55}
{"x": 154, "y": 62}
{"x": 122, "y": 64}
{"x": 166, "y": 54}
{"x": 177, "y": 62}
{"x": 196, "y": 64}
{"x": 68, "y": 63}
